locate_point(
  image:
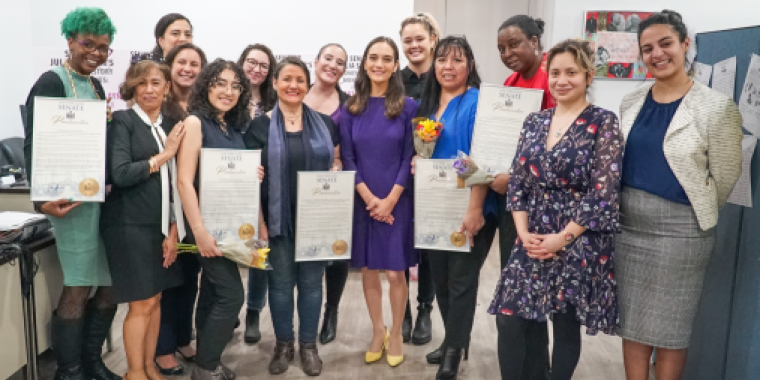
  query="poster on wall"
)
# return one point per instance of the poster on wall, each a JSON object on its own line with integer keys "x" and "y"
{"x": 349, "y": 77}
{"x": 111, "y": 74}
{"x": 612, "y": 35}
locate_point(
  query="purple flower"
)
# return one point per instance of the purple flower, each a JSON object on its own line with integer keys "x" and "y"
{"x": 602, "y": 204}
{"x": 592, "y": 224}
{"x": 614, "y": 167}
{"x": 545, "y": 218}
{"x": 607, "y": 135}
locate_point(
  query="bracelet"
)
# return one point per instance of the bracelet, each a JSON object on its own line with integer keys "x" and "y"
{"x": 151, "y": 167}
{"x": 196, "y": 227}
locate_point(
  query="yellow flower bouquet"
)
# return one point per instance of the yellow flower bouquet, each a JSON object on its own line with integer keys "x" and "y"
{"x": 250, "y": 253}
{"x": 426, "y": 134}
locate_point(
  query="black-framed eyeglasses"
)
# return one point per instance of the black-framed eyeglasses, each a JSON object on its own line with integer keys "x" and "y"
{"x": 254, "y": 63}
{"x": 90, "y": 47}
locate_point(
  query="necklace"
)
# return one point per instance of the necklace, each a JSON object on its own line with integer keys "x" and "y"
{"x": 69, "y": 69}
{"x": 292, "y": 119}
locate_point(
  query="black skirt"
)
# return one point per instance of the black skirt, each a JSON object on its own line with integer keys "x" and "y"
{"x": 135, "y": 257}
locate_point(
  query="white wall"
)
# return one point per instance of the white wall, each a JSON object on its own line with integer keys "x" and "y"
{"x": 15, "y": 65}
{"x": 222, "y": 30}
{"x": 699, "y": 15}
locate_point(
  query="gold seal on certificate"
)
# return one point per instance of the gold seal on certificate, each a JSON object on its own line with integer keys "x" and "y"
{"x": 340, "y": 247}
{"x": 246, "y": 231}
{"x": 458, "y": 239}
{"x": 89, "y": 187}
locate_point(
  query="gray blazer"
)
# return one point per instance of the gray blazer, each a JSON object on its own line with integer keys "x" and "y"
{"x": 702, "y": 146}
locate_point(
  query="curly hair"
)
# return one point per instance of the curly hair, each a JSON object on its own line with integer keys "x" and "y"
{"x": 238, "y": 116}
{"x": 93, "y": 21}
{"x": 268, "y": 95}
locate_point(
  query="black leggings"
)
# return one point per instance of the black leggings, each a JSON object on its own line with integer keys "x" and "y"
{"x": 513, "y": 345}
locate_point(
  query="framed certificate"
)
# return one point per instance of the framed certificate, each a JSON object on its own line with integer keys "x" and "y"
{"x": 230, "y": 193}
{"x": 498, "y": 122}
{"x": 439, "y": 207}
{"x": 325, "y": 215}
{"x": 69, "y": 150}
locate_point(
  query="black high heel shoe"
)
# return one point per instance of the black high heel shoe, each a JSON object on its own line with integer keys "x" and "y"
{"x": 174, "y": 371}
{"x": 450, "y": 360}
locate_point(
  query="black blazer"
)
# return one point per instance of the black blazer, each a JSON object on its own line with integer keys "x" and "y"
{"x": 50, "y": 85}
{"x": 135, "y": 196}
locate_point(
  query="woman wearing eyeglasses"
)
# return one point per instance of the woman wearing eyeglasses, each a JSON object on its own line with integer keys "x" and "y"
{"x": 258, "y": 64}
{"x": 218, "y": 108}
{"x": 80, "y": 324}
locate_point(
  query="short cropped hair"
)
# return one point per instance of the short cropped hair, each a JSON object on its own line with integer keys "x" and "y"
{"x": 93, "y": 21}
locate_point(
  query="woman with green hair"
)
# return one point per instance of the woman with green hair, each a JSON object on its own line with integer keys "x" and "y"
{"x": 80, "y": 324}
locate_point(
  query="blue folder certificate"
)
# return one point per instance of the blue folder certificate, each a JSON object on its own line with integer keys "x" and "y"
{"x": 230, "y": 193}
{"x": 439, "y": 206}
{"x": 69, "y": 150}
{"x": 324, "y": 215}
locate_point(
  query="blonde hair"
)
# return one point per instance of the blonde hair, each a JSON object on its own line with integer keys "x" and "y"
{"x": 579, "y": 49}
{"x": 425, "y": 19}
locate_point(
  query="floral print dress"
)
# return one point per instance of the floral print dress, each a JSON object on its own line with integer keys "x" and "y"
{"x": 577, "y": 180}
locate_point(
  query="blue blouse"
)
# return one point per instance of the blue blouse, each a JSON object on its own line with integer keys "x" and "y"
{"x": 644, "y": 164}
{"x": 458, "y": 121}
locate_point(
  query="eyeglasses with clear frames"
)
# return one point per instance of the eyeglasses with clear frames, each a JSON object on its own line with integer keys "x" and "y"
{"x": 90, "y": 47}
{"x": 261, "y": 65}
{"x": 223, "y": 85}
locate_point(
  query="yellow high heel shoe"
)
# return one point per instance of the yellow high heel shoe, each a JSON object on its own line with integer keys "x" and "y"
{"x": 371, "y": 357}
{"x": 394, "y": 360}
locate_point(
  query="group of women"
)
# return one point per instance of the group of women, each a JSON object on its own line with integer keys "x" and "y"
{"x": 559, "y": 211}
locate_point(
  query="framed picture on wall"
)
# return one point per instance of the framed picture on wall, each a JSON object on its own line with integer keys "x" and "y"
{"x": 612, "y": 35}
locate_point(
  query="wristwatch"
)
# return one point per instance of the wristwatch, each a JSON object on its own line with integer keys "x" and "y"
{"x": 569, "y": 237}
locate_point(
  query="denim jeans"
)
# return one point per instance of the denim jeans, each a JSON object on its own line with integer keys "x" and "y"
{"x": 285, "y": 275}
{"x": 258, "y": 283}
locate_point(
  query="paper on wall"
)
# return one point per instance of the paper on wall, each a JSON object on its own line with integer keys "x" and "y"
{"x": 702, "y": 73}
{"x": 724, "y": 77}
{"x": 622, "y": 47}
{"x": 749, "y": 101}
{"x": 742, "y": 192}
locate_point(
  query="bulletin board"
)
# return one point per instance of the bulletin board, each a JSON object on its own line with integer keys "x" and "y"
{"x": 726, "y": 336}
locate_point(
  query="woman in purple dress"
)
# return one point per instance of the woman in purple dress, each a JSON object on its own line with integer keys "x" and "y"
{"x": 376, "y": 134}
{"x": 563, "y": 195}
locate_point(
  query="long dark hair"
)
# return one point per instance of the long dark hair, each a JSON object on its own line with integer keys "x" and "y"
{"x": 238, "y": 115}
{"x": 171, "y": 108}
{"x": 161, "y": 27}
{"x": 268, "y": 95}
{"x": 394, "y": 95}
{"x": 431, "y": 92}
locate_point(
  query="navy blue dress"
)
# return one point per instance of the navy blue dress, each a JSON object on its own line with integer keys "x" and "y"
{"x": 577, "y": 180}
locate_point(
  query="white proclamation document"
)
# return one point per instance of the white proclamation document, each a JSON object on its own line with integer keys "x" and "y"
{"x": 439, "y": 207}
{"x": 69, "y": 150}
{"x": 324, "y": 215}
{"x": 499, "y": 120}
{"x": 230, "y": 193}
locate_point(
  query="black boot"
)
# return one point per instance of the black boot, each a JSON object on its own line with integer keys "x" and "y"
{"x": 423, "y": 328}
{"x": 284, "y": 352}
{"x": 449, "y": 369}
{"x": 67, "y": 345}
{"x": 406, "y": 326}
{"x": 97, "y": 325}
{"x": 252, "y": 332}
{"x": 434, "y": 357}
{"x": 329, "y": 325}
